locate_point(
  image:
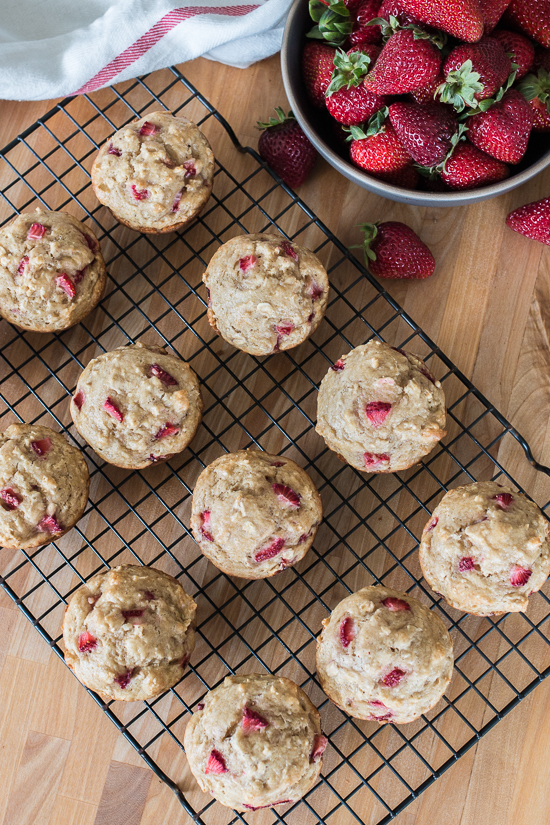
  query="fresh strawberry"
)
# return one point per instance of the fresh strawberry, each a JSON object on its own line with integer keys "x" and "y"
{"x": 492, "y": 11}
{"x": 426, "y": 132}
{"x": 532, "y": 220}
{"x": 347, "y": 99}
{"x": 474, "y": 72}
{"x": 503, "y": 130}
{"x": 377, "y": 412}
{"x": 252, "y": 721}
{"x": 468, "y": 168}
{"x": 363, "y": 34}
{"x": 519, "y": 576}
{"x": 284, "y": 146}
{"x": 347, "y": 631}
{"x": 333, "y": 18}
{"x": 427, "y": 93}
{"x": 461, "y": 18}
{"x": 317, "y": 68}
{"x": 408, "y": 61}
{"x": 542, "y": 59}
{"x": 532, "y": 17}
{"x": 519, "y": 47}
{"x": 393, "y": 250}
{"x": 394, "y": 8}
{"x": 535, "y": 88}
{"x": 384, "y": 156}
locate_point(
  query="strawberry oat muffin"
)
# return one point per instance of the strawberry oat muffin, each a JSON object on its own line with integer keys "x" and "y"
{"x": 129, "y": 632}
{"x": 255, "y": 742}
{"x": 155, "y": 174}
{"x": 254, "y": 514}
{"x": 383, "y": 656}
{"x": 380, "y": 408}
{"x": 52, "y": 272}
{"x": 137, "y": 405}
{"x": 43, "y": 486}
{"x": 486, "y": 549}
{"x": 265, "y": 293}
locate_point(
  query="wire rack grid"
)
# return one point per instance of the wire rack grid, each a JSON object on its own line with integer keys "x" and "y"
{"x": 371, "y": 524}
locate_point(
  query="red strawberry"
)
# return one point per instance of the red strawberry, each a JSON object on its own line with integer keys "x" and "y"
{"x": 110, "y": 407}
{"x": 162, "y": 375}
{"x": 492, "y": 11}
{"x": 50, "y": 524}
{"x": 270, "y": 551}
{"x": 205, "y": 526}
{"x": 432, "y": 524}
{"x": 474, "y": 72}
{"x": 22, "y": 264}
{"x": 167, "y": 429}
{"x": 393, "y": 250}
{"x": 320, "y": 743}
{"x": 347, "y": 631}
{"x": 503, "y": 130}
{"x": 124, "y": 679}
{"x": 79, "y": 399}
{"x": 532, "y": 220}
{"x": 286, "y": 495}
{"x": 36, "y": 232}
{"x": 377, "y": 412}
{"x": 395, "y": 605}
{"x": 216, "y": 763}
{"x": 149, "y": 129}
{"x": 405, "y": 63}
{"x": 466, "y": 563}
{"x": 363, "y": 34}
{"x": 461, "y": 18}
{"x": 375, "y": 462}
{"x": 317, "y": 68}
{"x": 519, "y": 576}
{"x": 86, "y": 642}
{"x": 532, "y": 17}
{"x": 542, "y": 59}
{"x": 112, "y": 150}
{"x": 394, "y": 8}
{"x": 338, "y": 366}
{"x": 247, "y": 263}
{"x": 11, "y": 499}
{"x": 42, "y": 447}
{"x": 384, "y": 156}
{"x": 253, "y": 721}
{"x": 284, "y": 146}
{"x": 393, "y": 677}
{"x": 347, "y": 99}
{"x": 503, "y": 500}
{"x": 425, "y": 131}
{"x": 468, "y": 168}
{"x": 535, "y": 88}
{"x": 427, "y": 93}
{"x": 139, "y": 194}
{"x": 521, "y": 49}
{"x": 64, "y": 282}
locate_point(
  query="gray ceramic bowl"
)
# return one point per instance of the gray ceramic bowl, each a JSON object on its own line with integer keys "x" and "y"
{"x": 317, "y": 126}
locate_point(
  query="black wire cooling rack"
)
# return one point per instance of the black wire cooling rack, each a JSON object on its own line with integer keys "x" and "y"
{"x": 371, "y": 526}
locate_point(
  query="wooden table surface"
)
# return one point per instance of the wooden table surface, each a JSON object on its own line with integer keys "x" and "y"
{"x": 61, "y": 761}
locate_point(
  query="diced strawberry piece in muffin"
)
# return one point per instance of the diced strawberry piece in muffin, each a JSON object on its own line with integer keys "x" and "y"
{"x": 270, "y": 551}
{"x": 395, "y": 604}
{"x": 286, "y": 495}
{"x": 42, "y": 447}
{"x": 177, "y": 199}
{"x": 432, "y": 523}
{"x": 124, "y": 679}
{"x": 377, "y": 412}
{"x": 110, "y": 407}
{"x": 504, "y": 500}
{"x": 466, "y": 563}
{"x": 205, "y": 526}
{"x": 216, "y": 763}
{"x": 10, "y": 498}
{"x": 78, "y": 276}
{"x": 248, "y": 262}
{"x": 167, "y": 429}
{"x": 36, "y": 232}
{"x": 190, "y": 168}
{"x": 288, "y": 250}
{"x": 50, "y": 524}
{"x": 64, "y": 282}
{"x": 86, "y": 642}
{"x": 78, "y": 399}
{"x": 149, "y": 129}
{"x": 284, "y": 329}
{"x": 132, "y": 614}
{"x": 22, "y": 264}
{"x": 374, "y": 461}
{"x": 320, "y": 743}
{"x": 347, "y": 631}
{"x": 112, "y": 150}
{"x": 139, "y": 194}
{"x": 393, "y": 677}
{"x": 162, "y": 375}
{"x": 338, "y": 366}
{"x": 315, "y": 291}
{"x": 252, "y": 721}
{"x": 519, "y": 576}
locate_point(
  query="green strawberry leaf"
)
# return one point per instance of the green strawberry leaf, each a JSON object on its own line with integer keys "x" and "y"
{"x": 275, "y": 121}
{"x": 349, "y": 71}
{"x": 460, "y": 87}
{"x": 536, "y": 85}
{"x": 370, "y": 231}
{"x": 333, "y": 20}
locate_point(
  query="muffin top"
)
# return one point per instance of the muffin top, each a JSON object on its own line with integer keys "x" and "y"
{"x": 137, "y": 405}
{"x": 380, "y": 408}
{"x": 129, "y": 632}
{"x": 265, "y": 293}
{"x": 155, "y": 174}
{"x": 255, "y": 742}
{"x": 43, "y": 485}
{"x": 52, "y": 271}
{"x": 254, "y": 514}
{"x": 384, "y": 656}
{"x": 485, "y": 549}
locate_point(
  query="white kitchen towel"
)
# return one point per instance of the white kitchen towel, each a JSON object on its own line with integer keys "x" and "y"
{"x": 54, "y": 48}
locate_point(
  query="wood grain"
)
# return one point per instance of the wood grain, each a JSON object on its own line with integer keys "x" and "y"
{"x": 487, "y": 306}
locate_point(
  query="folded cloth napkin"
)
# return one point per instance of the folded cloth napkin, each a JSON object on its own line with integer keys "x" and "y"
{"x": 66, "y": 47}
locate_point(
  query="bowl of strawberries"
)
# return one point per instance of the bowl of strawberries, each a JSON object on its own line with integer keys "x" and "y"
{"x": 420, "y": 101}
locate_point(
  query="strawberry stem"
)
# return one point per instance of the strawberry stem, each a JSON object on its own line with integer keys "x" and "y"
{"x": 275, "y": 121}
